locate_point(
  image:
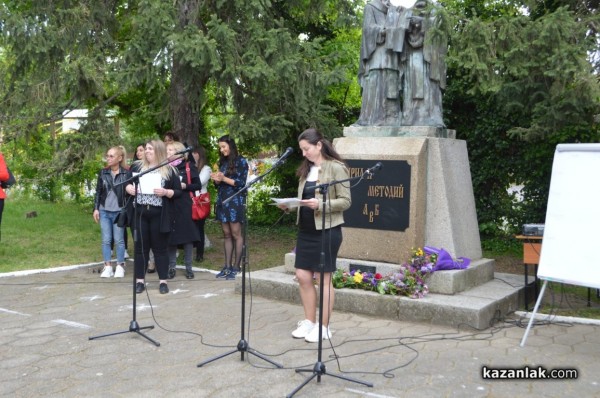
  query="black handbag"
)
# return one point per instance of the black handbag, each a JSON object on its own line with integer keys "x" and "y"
{"x": 11, "y": 180}
{"x": 121, "y": 219}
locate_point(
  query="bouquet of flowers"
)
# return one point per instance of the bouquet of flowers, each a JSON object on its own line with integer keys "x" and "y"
{"x": 423, "y": 260}
{"x": 442, "y": 260}
{"x": 356, "y": 279}
{"x": 408, "y": 281}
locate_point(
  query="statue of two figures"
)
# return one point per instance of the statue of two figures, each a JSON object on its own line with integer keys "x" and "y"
{"x": 402, "y": 72}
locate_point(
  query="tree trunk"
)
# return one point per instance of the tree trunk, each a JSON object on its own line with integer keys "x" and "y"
{"x": 187, "y": 84}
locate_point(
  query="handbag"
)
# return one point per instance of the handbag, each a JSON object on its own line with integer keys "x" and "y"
{"x": 11, "y": 180}
{"x": 200, "y": 203}
{"x": 201, "y": 206}
{"x": 122, "y": 219}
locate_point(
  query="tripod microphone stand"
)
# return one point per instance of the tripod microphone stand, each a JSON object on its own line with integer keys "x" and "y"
{"x": 319, "y": 368}
{"x": 134, "y": 327}
{"x": 243, "y": 346}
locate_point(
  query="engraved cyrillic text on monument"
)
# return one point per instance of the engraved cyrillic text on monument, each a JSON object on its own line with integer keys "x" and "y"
{"x": 382, "y": 199}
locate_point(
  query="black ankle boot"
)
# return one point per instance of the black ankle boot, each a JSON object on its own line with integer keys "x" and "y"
{"x": 189, "y": 273}
{"x": 172, "y": 273}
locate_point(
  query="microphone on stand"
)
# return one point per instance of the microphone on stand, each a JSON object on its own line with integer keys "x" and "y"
{"x": 186, "y": 150}
{"x": 371, "y": 170}
{"x": 285, "y": 155}
{"x": 180, "y": 154}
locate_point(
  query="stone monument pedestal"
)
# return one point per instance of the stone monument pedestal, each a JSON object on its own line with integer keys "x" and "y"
{"x": 440, "y": 197}
{"x": 437, "y": 194}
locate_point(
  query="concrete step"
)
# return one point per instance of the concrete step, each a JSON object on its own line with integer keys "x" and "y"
{"x": 476, "y": 307}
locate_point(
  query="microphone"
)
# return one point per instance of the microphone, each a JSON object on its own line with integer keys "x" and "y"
{"x": 378, "y": 166}
{"x": 186, "y": 150}
{"x": 285, "y": 155}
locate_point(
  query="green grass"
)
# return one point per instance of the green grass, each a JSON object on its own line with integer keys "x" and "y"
{"x": 570, "y": 300}
{"x": 61, "y": 234}
{"x": 65, "y": 234}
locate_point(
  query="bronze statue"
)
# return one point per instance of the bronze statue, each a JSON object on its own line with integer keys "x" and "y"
{"x": 401, "y": 72}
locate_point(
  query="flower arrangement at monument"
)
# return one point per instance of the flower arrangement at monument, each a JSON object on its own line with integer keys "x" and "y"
{"x": 423, "y": 260}
{"x": 409, "y": 280}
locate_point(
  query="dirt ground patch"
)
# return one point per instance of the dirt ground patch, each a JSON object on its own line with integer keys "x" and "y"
{"x": 508, "y": 265}
{"x": 559, "y": 298}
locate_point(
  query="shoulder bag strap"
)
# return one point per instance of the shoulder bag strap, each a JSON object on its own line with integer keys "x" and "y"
{"x": 189, "y": 178}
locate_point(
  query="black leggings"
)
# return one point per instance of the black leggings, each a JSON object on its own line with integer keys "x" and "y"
{"x": 147, "y": 224}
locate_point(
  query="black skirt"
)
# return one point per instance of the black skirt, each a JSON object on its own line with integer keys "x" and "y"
{"x": 308, "y": 249}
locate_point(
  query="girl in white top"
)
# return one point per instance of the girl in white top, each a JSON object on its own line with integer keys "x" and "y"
{"x": 204, "y": 170}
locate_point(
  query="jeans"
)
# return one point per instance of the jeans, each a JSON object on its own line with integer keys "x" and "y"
{"x": 111, "y": 231}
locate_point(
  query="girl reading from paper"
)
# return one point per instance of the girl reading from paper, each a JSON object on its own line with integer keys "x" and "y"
{"x": 322, "y": 164}
{"x": 154, "y": 212}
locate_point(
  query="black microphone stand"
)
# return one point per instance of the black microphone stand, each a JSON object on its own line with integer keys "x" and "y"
{"x": 134, "y": 327}
{"x": 319, "y": 369}
{"x": 243, "y": 346}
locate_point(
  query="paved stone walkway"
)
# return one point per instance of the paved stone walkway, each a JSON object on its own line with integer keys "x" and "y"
{"x": 47, "y": 320}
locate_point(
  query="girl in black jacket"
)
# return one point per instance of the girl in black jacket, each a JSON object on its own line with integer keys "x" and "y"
{"x": 108, "y": 201}
{"x": 184, "y": 232}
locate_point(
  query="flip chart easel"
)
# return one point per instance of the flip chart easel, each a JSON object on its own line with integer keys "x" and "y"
{"x": 572, "y": 225}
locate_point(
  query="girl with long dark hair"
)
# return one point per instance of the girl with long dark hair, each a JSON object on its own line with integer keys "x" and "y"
{"x": 230, "y": 178}
{"x": 321, "y": 164}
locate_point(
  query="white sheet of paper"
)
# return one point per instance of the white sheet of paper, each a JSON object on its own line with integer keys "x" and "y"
{"x": 148, "y": 182}
{"x": 289, "y": 202}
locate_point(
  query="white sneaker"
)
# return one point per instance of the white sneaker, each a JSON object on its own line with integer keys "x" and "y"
{"x": 313, "y": 336}
{"x": 126, "y": 255}
{"x": 119, "y": 271}
{"x": 107, "y": 272}
{"x": 304, "y": 328}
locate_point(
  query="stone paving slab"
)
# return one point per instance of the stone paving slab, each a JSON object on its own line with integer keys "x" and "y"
{"x": 48, "y": 318}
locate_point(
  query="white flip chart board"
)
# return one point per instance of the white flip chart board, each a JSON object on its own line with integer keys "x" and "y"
{"x": 571, "y": 242}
